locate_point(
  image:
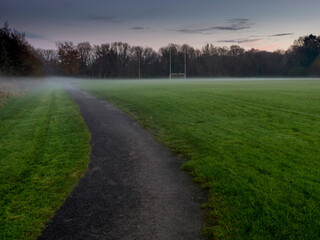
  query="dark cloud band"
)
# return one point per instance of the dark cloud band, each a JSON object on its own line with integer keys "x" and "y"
{"x": 236, "y": 24}
{"x": 138, "y": 28}
{"x": 281, "y": 34}
{"x": 100, "y": 18}
{"x": 246, "y": 40}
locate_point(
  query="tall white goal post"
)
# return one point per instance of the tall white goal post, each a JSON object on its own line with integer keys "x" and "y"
{"x": 178, "y": 75}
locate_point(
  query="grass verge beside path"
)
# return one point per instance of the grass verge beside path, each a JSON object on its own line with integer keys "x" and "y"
{"x": 44, "y": 147}
{"x": 3, "y": 98}
{"x": 254, "y": 144}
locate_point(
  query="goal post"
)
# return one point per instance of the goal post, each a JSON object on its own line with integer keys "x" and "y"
{"x": 178, "y": 74}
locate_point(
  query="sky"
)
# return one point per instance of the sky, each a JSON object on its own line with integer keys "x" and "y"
{"x": 266, "y": 25}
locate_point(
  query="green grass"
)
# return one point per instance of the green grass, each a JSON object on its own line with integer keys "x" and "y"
{"x": 255, "y": 145}
{"x": 3, "y": 98}
{"x": 44, "y": 147}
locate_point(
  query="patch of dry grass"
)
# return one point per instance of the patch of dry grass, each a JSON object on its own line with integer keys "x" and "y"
{"x": 3, "y": 98}
{"x": 13, "y": 88}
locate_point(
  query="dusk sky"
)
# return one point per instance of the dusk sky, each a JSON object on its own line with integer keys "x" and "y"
{"x": 268, "y": 25}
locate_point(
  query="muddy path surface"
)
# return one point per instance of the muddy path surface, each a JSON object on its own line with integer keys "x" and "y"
{"x": 133, "y": 188}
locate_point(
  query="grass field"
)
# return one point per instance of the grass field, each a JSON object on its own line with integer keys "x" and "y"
{"x": 254, "y": 144}
{"x": 44, "y": 147}
{"x": 3, "y": 98}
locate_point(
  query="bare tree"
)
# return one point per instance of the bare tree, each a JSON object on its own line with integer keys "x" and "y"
{"x": 85, "y": 51}
{"x": 69, "y": 58}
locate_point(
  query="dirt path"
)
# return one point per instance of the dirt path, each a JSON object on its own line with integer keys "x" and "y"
{"x": 133, "y": 188}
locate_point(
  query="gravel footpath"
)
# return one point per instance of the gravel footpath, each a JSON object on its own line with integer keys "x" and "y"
{"x": 133, "y": 188}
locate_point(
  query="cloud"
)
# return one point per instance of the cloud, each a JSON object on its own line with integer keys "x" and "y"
{"x": 137, "y": 28}
{"x": 235, "y": 24}
{"x": 100, "y": 18}
{"x": 238, "y": 20}
{"x": 281, "y": 34}
{"x": 33, "y": 35}
{"x": 245, "y": 40}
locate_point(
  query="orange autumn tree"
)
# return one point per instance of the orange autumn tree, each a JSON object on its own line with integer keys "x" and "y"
{"x": 69, "y": 58}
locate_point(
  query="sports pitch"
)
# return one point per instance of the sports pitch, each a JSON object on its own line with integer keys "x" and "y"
{"x": 254, "y": 144}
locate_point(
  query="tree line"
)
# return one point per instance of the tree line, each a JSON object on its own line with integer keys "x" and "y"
{"x": 121, "y": 60}
{"x": 17, "y": 56}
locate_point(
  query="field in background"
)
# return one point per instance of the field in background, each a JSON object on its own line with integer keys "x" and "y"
{"x": 44, "y": 147}
{"x": 253, "y": 144}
